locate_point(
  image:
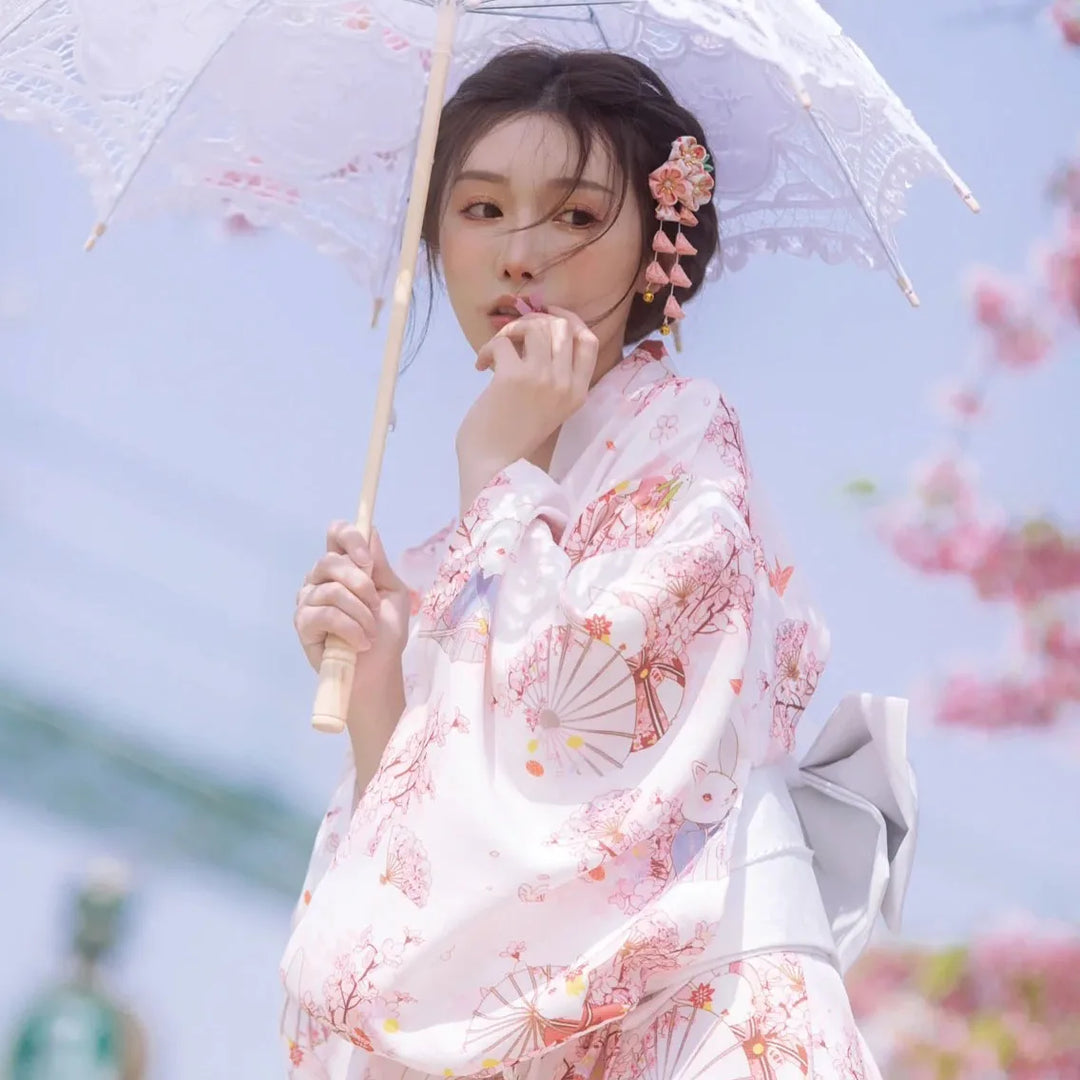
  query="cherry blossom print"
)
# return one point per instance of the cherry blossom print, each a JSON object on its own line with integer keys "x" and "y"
{"x": 666, "y": 427}
{"x": 404, "y": 776}
{"x": 796, "y": 677}
{"x": 643, "y": 871}
{"x": 601, "y": 829}
{"x": 664, "y": 389}
{"x": 627, "y": 516}
{"x": 652, "y": 950}
{"x": 252, "y": 181}
{"x": 407, "y": 866}
{"x": 465, "y": 556}
{"x": 576, "y": 705}
{"x": 349, "y": 1000}
{"x": 700, "y": 591}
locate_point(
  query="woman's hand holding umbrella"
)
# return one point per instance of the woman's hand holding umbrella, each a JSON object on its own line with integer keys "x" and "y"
{"x": 353, "y": 594}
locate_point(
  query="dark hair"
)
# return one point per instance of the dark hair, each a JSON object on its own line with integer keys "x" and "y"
{"x": 597, "y": 95}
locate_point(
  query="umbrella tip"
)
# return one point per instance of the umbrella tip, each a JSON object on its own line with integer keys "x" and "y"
{"x": 804, "y": 97}
{"x": 95, "y": 236}
{"x": 909, "y": 291}
{"x": 970, "y": 201}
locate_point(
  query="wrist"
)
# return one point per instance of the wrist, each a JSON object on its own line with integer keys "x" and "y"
{"x": 379, "y": 699}
{"x": 473, "y": 476}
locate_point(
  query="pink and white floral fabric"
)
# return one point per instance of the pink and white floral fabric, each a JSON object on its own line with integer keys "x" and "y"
{"x": 533, "y": 878}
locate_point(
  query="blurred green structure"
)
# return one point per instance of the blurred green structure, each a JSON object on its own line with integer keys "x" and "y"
{"x": 145, "y": 801}
{"x": 148, "y": 804}
{"x": 76, "y": 1030}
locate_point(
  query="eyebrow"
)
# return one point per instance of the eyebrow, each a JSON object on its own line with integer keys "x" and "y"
{"x": 558, "y": 182}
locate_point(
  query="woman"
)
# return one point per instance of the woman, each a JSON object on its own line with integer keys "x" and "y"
{"x": 561, "y": 848}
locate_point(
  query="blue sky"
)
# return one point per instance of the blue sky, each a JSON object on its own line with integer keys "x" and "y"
{"x": 181, "y": 415}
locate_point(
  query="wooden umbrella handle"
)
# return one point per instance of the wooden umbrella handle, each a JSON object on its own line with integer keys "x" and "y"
{"x": 339, "y": 661}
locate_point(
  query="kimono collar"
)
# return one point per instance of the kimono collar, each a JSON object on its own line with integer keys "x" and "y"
{"x": 643, "y": 364}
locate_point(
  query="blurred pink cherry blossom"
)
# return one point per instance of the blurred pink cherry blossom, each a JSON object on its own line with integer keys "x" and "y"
{"x": 959, "y": 402}
{"x": 939, "y": 527}
{"x": 1066, "y": 16}
{"x": 1063, "y": 271}
{"x": 997, "y": 704}
{"x": 1025, "y": 564}
{"x": 1018, "y": 338}
{"x": 1006, "y": 1006}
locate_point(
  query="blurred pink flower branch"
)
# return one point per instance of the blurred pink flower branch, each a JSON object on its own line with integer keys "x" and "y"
{"x": 943, "y": 525}
{"x": 1005, "y": 1006}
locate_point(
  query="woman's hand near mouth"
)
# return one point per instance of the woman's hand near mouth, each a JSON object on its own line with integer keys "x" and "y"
{"x": 542, "y": 365}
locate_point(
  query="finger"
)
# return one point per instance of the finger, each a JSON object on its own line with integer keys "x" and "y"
{"x": 314, "y": 625}
{"x": 537, "y": 351}
{"x": 332, "y": 594}
{"x": 586, "y": 352}
{"x": 382, "y": 574}
{"x": 345, "y": 538}
{"x": 562, "y": 355}
{"x": 497, "y": 346}
{"x": 512, "y": 331}
{"x": 333, "y": 531}
{"x": 503, "y": 355}
{"x": 572, "y": 317}
{"x": 340, "y": 569}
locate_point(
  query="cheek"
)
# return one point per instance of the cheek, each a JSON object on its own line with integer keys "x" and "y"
{"x": 616, "y": 257}
{"x": 459, "y": 251}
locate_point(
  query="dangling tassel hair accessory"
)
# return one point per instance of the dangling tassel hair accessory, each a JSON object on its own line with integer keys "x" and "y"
{"x": 680, "y": 186}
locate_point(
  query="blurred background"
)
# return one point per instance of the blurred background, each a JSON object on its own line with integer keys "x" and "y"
{"x": 183, "y": 412}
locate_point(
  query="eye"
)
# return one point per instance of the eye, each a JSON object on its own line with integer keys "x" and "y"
{"x": 578, "y": 217}
{"x": 481, "y": 210}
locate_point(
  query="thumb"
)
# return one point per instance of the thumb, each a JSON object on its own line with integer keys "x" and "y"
{"x": 382, "y": 573}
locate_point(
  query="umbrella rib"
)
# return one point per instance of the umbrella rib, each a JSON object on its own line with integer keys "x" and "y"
{"x": 599, "y": 29}
{"x": 514, "y": 12}
{"x": 24, "y": 20}
{"x": 901, "y": 275}
{"x": 170, "y": 113}
{"x": 530, "y": 8}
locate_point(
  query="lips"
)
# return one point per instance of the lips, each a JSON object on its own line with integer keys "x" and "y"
{"x": 513, "y": 306}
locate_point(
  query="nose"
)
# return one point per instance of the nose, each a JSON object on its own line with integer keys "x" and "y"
{"x": 519, "y": 255}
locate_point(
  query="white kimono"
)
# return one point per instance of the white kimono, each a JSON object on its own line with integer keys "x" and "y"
{"x": 586, "y": 851}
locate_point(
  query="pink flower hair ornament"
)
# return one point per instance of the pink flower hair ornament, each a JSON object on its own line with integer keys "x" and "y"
{"x": 680, "y": 186}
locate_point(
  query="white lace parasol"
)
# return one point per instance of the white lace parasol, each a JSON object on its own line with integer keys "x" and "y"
{"x": 310, "y": 114}
{"x": 304, "y": 114}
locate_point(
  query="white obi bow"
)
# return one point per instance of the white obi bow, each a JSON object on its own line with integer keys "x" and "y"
{"x": 857, "y": 801}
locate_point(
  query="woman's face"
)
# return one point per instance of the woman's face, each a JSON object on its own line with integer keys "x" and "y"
{"x": 493, "y": 249}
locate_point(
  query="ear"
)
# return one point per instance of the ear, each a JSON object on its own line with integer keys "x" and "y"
{"x": 698, "y": 769}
